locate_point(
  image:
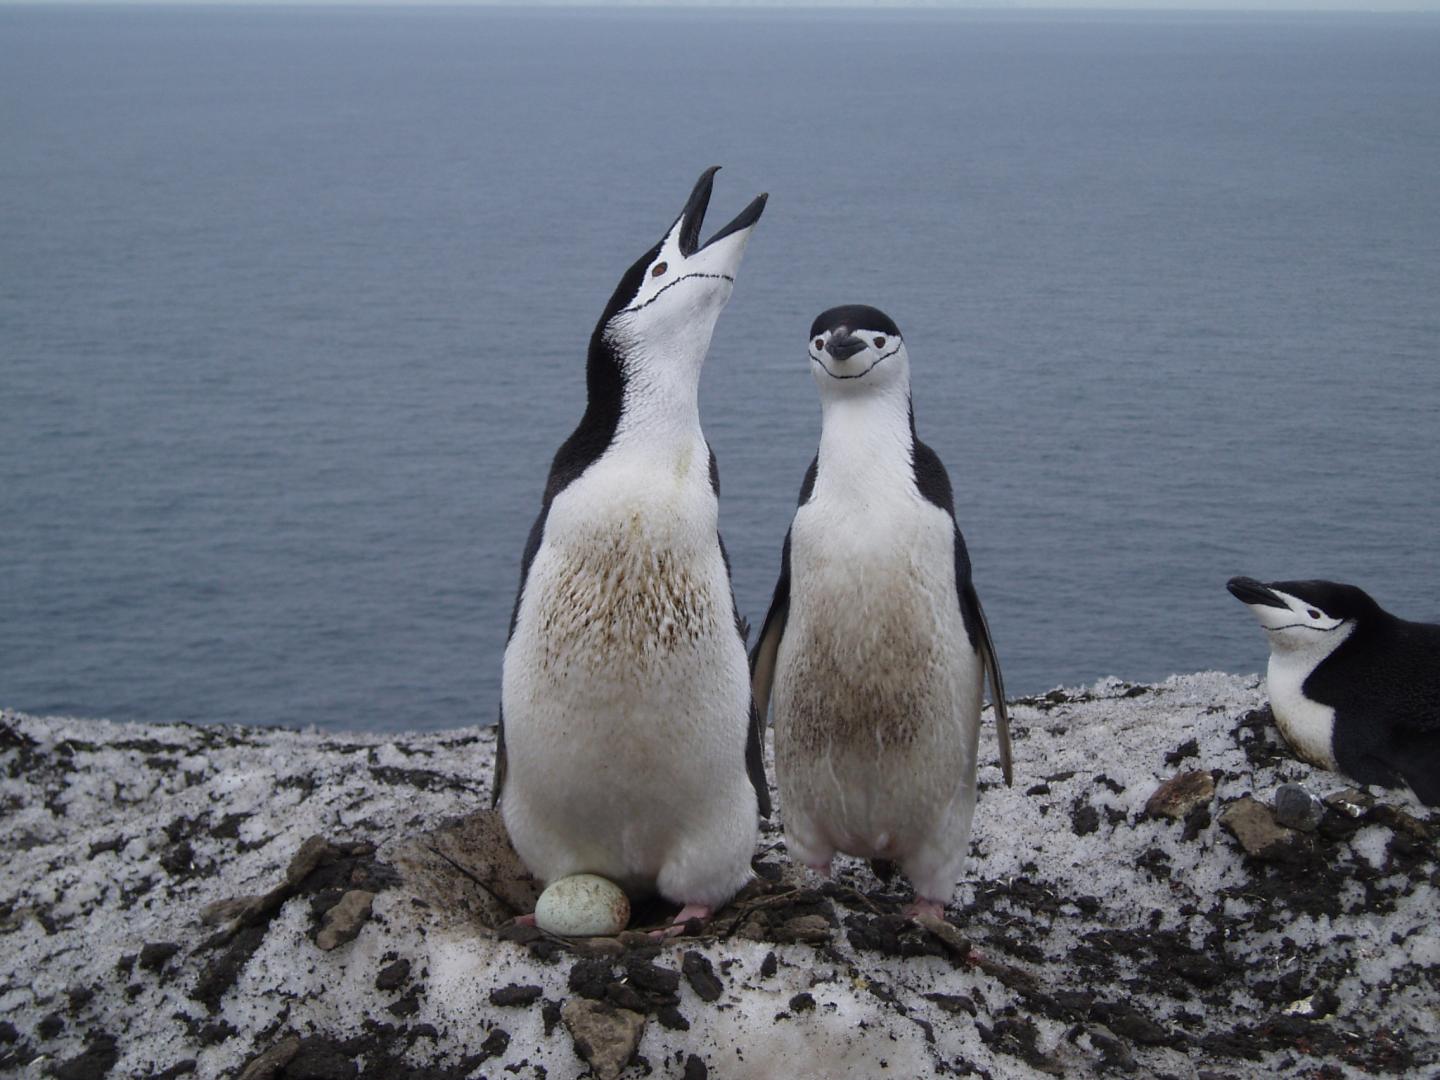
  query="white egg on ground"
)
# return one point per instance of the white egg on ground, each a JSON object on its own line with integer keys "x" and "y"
{"x": 582, "y": 905}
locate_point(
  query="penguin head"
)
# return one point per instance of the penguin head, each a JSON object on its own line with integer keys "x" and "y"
{"x": 666, "y": 304}
{"x": 857, "y": 349}
{"x": 1304, "y": 614}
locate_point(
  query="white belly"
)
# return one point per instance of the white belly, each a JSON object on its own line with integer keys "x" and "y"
{"x": 626, "y": 695}
{"x": 877, "y": 689}
{"x": 1307, "y": 726}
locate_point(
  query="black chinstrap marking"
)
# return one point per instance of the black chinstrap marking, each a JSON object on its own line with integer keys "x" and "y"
{"x": 677, "y": 281}
{"x": 1304, "y": 626}
{"x": 857, "y": 375}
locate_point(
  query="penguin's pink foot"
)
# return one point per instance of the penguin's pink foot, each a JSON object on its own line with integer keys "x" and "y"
{"x": 682, "y": 917}
{"x": 823, "y": 869}
{"x": 525, "y": 920}
{"x": 921, "y": 906}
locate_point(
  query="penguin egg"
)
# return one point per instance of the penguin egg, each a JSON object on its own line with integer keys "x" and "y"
{"x": 582, "y": 905}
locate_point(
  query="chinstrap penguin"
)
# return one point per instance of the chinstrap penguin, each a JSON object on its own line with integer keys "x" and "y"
{"x": 1352, "y": 687}
{"x": 628, "y": 744}
{"x": 875, "y": 645}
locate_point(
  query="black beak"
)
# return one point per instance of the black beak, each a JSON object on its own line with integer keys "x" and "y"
{"x": 693, "y": 216}
{"x": 1249, "y": 591}
{"x": 844, "y": 345}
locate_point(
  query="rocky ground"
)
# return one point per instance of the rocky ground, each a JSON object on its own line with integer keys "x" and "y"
{"x": 275, "y": 905}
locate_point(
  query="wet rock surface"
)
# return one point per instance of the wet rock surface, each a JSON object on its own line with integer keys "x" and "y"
{"x": 170, "y": 891}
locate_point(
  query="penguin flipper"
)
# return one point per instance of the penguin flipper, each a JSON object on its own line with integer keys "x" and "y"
{"x": 997, "y": 683}
{"x": 763, "y": 657}
{"x": 499, "y": 782}
{"x": 755, "y": 762}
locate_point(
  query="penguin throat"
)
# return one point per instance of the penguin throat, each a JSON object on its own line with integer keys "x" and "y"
{"x": 866, "y": 443}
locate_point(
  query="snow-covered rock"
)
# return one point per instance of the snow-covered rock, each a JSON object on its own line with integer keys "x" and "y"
{"x": 164, "y": 887}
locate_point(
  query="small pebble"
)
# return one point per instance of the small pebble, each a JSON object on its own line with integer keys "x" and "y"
{"x": 1298, "y": 808}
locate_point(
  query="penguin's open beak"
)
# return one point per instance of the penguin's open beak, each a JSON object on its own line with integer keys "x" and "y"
{"x": 843, "y": 344}
{"x": 693, "y": 216}
{"x": 1249, "y": 591}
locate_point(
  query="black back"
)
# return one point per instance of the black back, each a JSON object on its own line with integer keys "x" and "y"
{"x": 1384, "y": 684}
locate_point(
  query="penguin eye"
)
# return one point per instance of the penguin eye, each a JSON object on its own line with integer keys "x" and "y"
{"x": 819, "y": 343}
{"x": 1313, "y": 613}
{"x": 658, "y": 269}
{"x": 879, "y": 343}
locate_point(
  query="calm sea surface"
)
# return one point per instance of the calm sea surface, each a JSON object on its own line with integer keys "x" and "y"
{"x": 293, "y": 309}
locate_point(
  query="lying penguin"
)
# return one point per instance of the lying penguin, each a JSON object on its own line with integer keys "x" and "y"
{"x": 628, "y": 743}
{"x": 875, "y": 643}
{"x": 1353, "y": 688}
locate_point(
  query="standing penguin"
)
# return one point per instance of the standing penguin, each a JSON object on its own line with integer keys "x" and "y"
{"x": 875, "y": 643}
{"x": 628, "y": 743}
{"x": 1352, "y": 687}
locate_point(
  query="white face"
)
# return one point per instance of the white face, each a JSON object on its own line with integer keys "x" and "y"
{"x": 1298, "y": 625}
{"x": 684, "y": 286}
{"x": 857, "y": 358}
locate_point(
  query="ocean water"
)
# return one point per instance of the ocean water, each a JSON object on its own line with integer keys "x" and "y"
{"x": 294, "y": 303}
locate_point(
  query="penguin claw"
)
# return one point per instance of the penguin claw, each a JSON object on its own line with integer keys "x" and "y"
{"x": 920, "y": 907}
{"x": 682, "y": 921}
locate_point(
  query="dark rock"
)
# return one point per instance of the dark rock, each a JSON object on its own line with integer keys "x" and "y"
{"x": 624, "y": 996}
{"x": 9, "y": 1034}
{"x": 511, "y": 995}
{"x": 668, "y": 1016}
{"x": 393, "y": 976}
{"x": 1297, "y": 808}
{"x": 1130, "y": 1023}
{"x": 220, "y": 974}
{"x": 1188, "y": 749}
{"x": 318, "y": 1058}
{"x": 695, "y": 1069}
{"x": 1352, "y": 802}
{"x": 802, "y": 1003}
{"x": 1181, "y": 794}
{"x": 954, "y": 1003}
{"x": 650, "y": 977}
{"x": 93, "y": 1063}
{"x": 496, "y": 1043}
{"x": 315, "y": 851}
{"x": 407, "y": 1006}
{"x": 1084, "y": 818}
{"x": 156, "y": 954}
{"x": 268, "y": 1064}
{"x": 700, "y": 974}
{"x": 50, "y": 1026}
{"x": 589, "y": 978}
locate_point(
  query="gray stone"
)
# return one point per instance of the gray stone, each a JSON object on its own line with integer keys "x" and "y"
{"x": 344, "y": 920}
{"x": 1297, "y": 808}
{"x": 606, "y": 1037}
{"x": 1352, "y": 802}
{"x": 269, "y": 1064}
{"x": 1254, "y": 825}
{"x": 314, "y": 852}
{"x": 1179, "y": 795}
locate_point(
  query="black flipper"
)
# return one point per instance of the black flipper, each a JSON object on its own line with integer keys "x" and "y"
{"x": 767, "y": 647}
{"x": 755, "y": 734}
{"x": 992, "y": 671}
{"x": 934, "y": 485}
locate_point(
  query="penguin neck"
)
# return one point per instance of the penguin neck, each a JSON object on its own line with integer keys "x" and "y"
{"x": 867, "y": 441}
{"x": 660, "y": 408}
